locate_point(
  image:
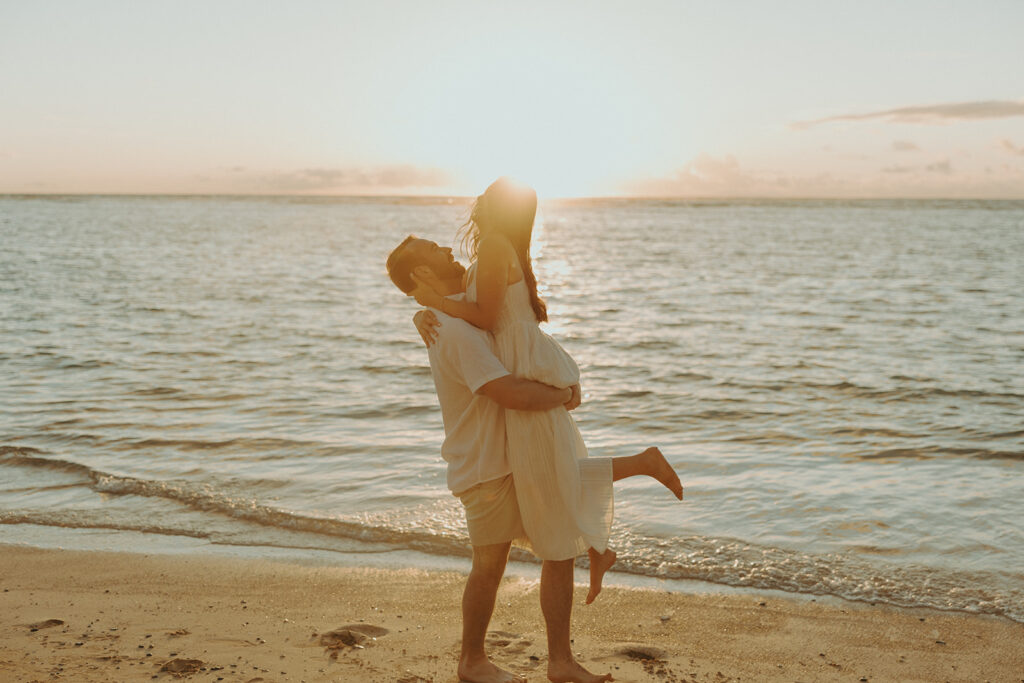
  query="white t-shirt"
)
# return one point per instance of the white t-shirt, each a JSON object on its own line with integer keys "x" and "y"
{"x": 462, "y": 360}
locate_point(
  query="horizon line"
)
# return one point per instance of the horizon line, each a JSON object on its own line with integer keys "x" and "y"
{"x": 293, "y": 195}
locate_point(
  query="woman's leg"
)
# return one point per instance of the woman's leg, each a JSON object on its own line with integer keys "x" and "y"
{"x": 652, "y": 463}
{"x": 600, "y": 563}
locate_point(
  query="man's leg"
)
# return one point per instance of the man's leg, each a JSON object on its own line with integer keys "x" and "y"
{"x": 477, "y": 607}
{"x": 556, "y": 604}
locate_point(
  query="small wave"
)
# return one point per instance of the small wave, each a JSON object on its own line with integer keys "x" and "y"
{"x": 637, "y": 393}
{"x": 156, "y": 391}
{"x": 965, "y": 393}
{"x": 931, "y": 452}
{"x": 85, "y": 364}
{"x": 649, "y": 345}
{"x": 719, "y": 414}
{"x": 874, "y": 431}
{"x": 72, "y": 520}
{"x": 1007, "y": 435}
{"x": 386, "y": 412}
{"x": 891, "y": 394}
{"x": 405, "y": 370}
{"x": 243, "y": 445}
{"x": 205, "y": 499}
{"x": 27, "y": 456}
{"x": 197, "y": 353}
{"x": 735, "y": 563}
{"x": 768, "y": 438}
{"x": 19, "y": 450}
{"x": 690, "y": 375}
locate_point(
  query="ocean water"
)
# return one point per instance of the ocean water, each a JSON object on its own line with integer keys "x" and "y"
{"x": 839, "y": 383}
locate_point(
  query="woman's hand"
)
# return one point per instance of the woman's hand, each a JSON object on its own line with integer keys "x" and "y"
{"x": 424, "y": 294}
{"x": 426, "y": 324}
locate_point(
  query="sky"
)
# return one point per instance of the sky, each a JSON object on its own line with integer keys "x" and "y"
{"x": 642, "y": 98}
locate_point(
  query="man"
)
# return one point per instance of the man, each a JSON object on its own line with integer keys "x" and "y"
{"x": 473, "y": 387}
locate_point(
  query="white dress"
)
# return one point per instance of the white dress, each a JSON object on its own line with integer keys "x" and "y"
{"x": 565, "y": 498}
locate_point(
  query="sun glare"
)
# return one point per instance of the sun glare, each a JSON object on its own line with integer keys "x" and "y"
{"x": 539, "y": 115}
{"x": 548, "y": 184}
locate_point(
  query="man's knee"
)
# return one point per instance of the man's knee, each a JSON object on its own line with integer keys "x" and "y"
{"x": 490, "y": 560}
{"x": 560, "y": 566}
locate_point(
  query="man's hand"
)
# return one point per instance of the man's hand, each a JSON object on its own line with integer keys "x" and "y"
{"x": 426, "y": 324}
{"x": 575, "y": 399}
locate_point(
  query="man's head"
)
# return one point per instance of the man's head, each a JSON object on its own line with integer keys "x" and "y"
{"x": 431, "y": 263}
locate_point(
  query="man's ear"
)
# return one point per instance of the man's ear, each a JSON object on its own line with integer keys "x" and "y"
{"x": 423, "y": 272}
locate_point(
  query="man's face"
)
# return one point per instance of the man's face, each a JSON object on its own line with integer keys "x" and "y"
{"x": 438, "y": 259}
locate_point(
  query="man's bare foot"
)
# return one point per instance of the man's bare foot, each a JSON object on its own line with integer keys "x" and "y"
{"x": 658, "y": 467}
{"x": 484, "y": 671}
{"x": 599, "y": 564}
{"x": 572, "y": 672}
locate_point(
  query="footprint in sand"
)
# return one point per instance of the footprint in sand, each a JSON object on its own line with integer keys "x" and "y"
{"x": 353, "y": 635}
{"x": 643, "y": 653}
{"x": 512, "y": 643}
{"x": 654, "y": 661}
{"x": 49, "y": 623}
{"x": 182, "y": 667}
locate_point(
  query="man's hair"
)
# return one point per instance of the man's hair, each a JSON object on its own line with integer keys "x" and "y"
{"x": 400, "y": 264}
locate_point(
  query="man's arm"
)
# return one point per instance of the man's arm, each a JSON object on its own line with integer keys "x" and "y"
{"x": 525, "y": 394}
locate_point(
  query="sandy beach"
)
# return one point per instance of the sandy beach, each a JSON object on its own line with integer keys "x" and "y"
{"x": 92, "y": 616}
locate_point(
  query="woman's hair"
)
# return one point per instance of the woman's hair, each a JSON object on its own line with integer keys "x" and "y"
{"x": 509, "y": 208}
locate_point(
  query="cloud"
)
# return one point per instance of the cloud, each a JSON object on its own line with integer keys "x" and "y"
{"x": 702, "y": 176}
{"x": 1012, "y": 148}
{"x": 352, "y": 179}
{"x": 706, "y": 177}
{"x": 904, "y": 146}
{"x": 935, "y": 113}
{"x": 944, "y": 167}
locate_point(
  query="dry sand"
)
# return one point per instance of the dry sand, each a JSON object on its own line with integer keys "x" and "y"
{"x": 89, "y": 616}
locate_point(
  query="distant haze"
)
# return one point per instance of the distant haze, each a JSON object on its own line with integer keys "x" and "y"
{"x": 689, "y": 99}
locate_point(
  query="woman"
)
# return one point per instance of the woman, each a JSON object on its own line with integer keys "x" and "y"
{"x": 567, "y": 507}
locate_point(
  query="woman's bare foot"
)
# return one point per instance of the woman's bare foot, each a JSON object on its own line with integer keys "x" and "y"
{"x": 486, "y": 672}
{"x": 572, "y": 672}
{"x": 599, "y": 564}
{"x": 658, "y": 467}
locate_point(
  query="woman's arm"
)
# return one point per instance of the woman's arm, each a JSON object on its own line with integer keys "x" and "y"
{"x": 494, "y": 260}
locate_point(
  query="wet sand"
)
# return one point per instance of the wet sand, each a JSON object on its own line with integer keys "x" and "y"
{"x": 90, "y": 616}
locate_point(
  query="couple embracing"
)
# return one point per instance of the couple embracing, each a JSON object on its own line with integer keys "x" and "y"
{"x": 515, "y": 457}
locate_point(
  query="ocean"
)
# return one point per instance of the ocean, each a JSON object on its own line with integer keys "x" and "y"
{"x": 840, "y": 384}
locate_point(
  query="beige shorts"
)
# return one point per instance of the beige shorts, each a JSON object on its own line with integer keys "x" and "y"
{"x": 492, "y": 512}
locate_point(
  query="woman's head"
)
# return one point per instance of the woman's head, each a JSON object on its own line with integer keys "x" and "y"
{"x": 507, "y": 207}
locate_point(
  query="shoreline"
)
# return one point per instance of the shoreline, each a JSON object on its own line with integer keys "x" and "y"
{"x": 371, "y": 555}
{"x": 125, "y": 616}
